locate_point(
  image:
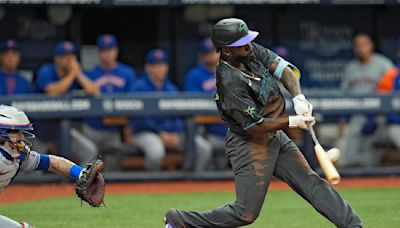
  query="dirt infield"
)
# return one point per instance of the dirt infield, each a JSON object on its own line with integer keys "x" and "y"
{"x": 21, "y": 193}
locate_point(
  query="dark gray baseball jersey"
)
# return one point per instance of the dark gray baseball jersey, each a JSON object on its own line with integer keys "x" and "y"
{"x": 244, "y": 98}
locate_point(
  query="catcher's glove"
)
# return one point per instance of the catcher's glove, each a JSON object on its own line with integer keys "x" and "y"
{"x": 90, "y": 186}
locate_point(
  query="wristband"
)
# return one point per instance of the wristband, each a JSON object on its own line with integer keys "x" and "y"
{"x": 75, "y": 171}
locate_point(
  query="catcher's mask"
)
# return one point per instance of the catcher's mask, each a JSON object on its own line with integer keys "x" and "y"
{"x": 15, "y": 136}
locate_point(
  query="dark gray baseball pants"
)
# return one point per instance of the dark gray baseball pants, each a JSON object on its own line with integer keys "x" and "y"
{"x": 254, "y": 162}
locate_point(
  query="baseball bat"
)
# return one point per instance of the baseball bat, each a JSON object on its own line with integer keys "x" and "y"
{"x": 327, "y": 167}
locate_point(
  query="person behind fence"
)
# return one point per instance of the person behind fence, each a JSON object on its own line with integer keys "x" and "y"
{"x": 111, "y": 76}
{"x": 62, "y": 78}
{"x": 11, "y": 81}
{"x": 156, "y": 135}
{"x": 390, "y": 83}
{"x": 361, "y": 77}
{"x": 201, "y": 78}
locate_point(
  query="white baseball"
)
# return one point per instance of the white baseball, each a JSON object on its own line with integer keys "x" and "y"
{"x": 333, "y": 154}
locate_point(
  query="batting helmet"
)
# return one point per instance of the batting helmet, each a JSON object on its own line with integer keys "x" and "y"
{"x": 15, "y": 138}
{"x": 231, "y": 32}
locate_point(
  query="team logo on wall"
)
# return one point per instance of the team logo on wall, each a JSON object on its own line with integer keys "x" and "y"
{"x": 326, "y": 40}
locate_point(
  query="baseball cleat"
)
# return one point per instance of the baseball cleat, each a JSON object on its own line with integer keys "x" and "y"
{"x": 173, "y": 219}
{"x": 333, "y": 154}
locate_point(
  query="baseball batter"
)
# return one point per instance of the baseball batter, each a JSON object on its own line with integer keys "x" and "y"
{"x": 250, "y": 102}
{"x": 16, "y": 156}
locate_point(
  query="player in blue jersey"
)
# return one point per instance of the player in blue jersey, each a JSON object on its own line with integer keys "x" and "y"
{"x": 201, "y": 78}
{"x": 11, "y": 81}
{"x": 156, "y": 135}
{"x": 64, "y": 75}
{"x": 62, "y": 78}
{"x": 110, "y": 76}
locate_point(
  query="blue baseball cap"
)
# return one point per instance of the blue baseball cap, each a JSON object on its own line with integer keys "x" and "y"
{"x": 156, "y": 56}
{"x": 64, "y": 47}
{"x": 10, "y": 44}
{"x": 206, "y": 46}
{"x": 106, "y": 41}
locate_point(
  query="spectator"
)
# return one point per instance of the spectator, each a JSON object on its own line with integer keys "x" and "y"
{"x": 110, "y": 76}
{"x": 393, "y": 119}
{"x": 361, "y": 76}
{"x": 61, "y": 78}
{"x": 11, "y": 82}
{"x": 201, "y": 78}
{"x": 155, "y": 135}
{"x": 388, "y": 84}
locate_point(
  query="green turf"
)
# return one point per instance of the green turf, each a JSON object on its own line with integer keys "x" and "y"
{"x": 376, "y": 207}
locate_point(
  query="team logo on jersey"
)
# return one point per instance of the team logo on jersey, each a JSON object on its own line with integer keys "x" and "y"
{"x": 110, "y": 80}
{"x": 209, "y": 85}
{"x": 250, "y": 111}
{"x": 216, "y": 97}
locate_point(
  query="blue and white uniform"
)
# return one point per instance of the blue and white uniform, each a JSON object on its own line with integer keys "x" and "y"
{"x": 16, "y": 154}
{"x": 10, "y": 166}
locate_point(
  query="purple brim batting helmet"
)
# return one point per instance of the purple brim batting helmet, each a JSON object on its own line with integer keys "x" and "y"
{"x": 244, "y": 40}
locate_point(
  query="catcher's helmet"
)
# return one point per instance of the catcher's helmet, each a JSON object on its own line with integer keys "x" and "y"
{"x": 231, "y": 32}
{"x": 15, "y": 138}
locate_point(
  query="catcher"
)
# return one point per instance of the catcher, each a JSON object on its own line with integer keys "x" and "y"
{"x": 15, "y": 155}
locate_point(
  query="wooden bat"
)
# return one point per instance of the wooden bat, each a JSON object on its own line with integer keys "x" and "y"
{"x": 327, "y": 167}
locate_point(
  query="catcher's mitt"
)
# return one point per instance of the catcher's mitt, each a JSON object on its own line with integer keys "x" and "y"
{"x": 90, "y": 186}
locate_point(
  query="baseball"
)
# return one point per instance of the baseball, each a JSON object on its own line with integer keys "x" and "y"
{"x": 333, "y": 154}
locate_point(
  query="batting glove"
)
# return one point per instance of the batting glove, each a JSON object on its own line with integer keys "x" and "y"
{"x": 302, "y": 106}
{"x": 301, "y": 121}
